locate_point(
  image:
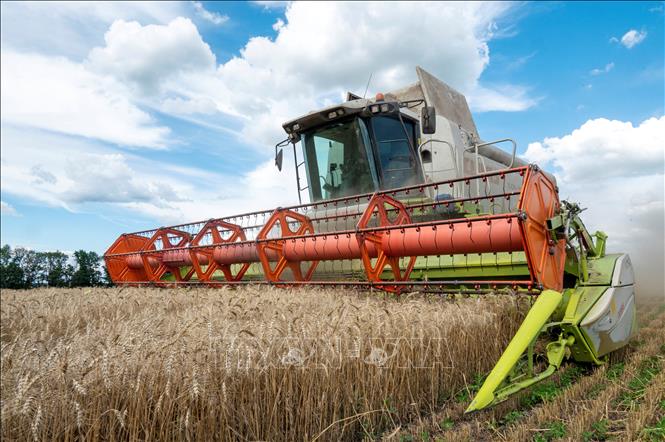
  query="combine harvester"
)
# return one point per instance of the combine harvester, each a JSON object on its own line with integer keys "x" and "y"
{"x": 404, "y": 196}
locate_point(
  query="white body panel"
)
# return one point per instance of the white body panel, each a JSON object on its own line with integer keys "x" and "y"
{"x": 623, "y": 272}
{"x": 610, "y": 323}
{"x": 448, "y": 154}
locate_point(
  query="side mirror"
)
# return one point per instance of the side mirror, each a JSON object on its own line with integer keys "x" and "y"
{"x": 428, "y": 120}
{"x": 279, "y": 155}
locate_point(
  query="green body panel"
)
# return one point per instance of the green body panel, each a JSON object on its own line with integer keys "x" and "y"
{"x": 581, "y": 300}
{"x": 580, "y": 351}
{"x": 458, "y": 267}
{"x": 473, "y": 266}
{"x": 600, "y": 269}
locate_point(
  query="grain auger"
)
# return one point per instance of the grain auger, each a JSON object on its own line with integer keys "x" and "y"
{"x": 401, "y": 201}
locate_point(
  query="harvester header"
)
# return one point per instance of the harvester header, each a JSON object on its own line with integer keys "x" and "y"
{"x": 380, "y": 229}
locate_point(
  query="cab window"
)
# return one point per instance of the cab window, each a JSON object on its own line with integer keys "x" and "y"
{"x": 399, "y": 166}
{"x": 337, "y": 163}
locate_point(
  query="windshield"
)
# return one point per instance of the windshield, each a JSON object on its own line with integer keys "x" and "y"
{"x": 398, "y": 161}
{"x": 336, "y": 161}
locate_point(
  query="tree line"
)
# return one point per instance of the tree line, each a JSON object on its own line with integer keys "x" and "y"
{"x": 23, "y": 269}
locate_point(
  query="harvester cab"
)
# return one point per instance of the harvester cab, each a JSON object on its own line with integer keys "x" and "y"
{"x": 404, "y": 196}
{"x": 422, "y": 133}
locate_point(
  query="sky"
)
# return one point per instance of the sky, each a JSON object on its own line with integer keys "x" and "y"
{"x": 119, "y": 117}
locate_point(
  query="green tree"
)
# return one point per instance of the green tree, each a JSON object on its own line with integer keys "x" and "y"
{"x": 87, "y": 271}
{"x": 22, "y": 268}
{"x": 33, "y": 265}
{"x": 58, "y": 271}
{"x": 5, "y": 255}
{"x": 11, "y": 274}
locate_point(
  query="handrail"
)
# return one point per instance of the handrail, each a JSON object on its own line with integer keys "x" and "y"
{"x": 503, "y": 140}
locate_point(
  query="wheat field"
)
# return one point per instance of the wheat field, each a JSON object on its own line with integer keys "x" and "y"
{"x": 256, "y": 363}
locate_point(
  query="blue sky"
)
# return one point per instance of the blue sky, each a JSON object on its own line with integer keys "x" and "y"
{"x": 563, "y": 43}
{"x": 122, "y": 117}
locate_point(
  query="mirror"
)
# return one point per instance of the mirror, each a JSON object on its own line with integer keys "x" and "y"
{"x": 428, "y": 120}
{"x": 279, "y": 155}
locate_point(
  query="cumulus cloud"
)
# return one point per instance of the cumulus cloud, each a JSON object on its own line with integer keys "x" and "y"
{"x": 599, "y": 71}
{"x": 146, "y": 56}
{"x": 279, "y": 24}
{"x": 605, "y": 148}
{"x": 41, "y": 175}
{"x": 616, "y": 169}
{"x": 320, "y": 51}
{"x": 294, "y": 73}
{"x": 7, "y": 209}
{"x": 108, "y": 178}
{"x": 631, "y": 38}
{"x": 364, "y": 38}
{"x": 259, "y": 189}
{"x": 213, "y": 17}
{"x": 59, "y": 95}
{"x": 71, "y": 29}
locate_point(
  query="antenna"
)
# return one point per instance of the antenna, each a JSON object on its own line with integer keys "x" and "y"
{"x": 368, "y": 80}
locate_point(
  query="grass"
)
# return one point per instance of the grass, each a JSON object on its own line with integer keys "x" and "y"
{"x": 615, "y": 371}
{"x": 654, "y": 433}
{"x": 598, "y": 431}
{"x": 464, "y": 395}
{"x": 625, "y": 406}
{"x": 648, "y": 369}
{"x": 254, "y": 363}
{"x": 511, "y": 417}
{"x": 446, "y": 424}
{"x": 556, "y": 430}
{"x": 549, "y": 389}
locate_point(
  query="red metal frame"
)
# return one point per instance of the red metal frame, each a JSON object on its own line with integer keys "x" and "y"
{"x": 539, "y": 201}
{"x": 164, "y": 235}
{"x": 283, "y": 219}
{"x": 205, "y": 256}
{"x": 118, "y": 262}
{"x": 377, "y": 208}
